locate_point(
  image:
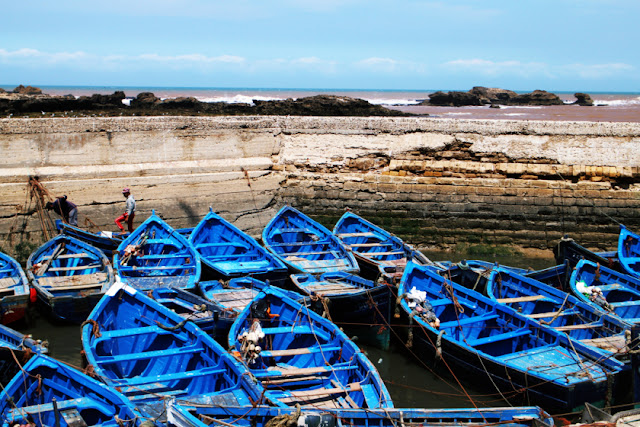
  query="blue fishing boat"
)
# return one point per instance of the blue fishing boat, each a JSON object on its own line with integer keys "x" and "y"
{"x": 569, "y": 251}
{"x": 303, "y": 358}
{"x": 156, "y": 256}
{"x": 50, "y": 393}
{"x": 629, "y": 251}
{"x": 14, "y": 291}
{"x": 529, "y": 416}
{"x": 472, "y": 274}
{"x": 12, "y": 339}
{"x": 205, "y": 314}
{"x": 351, "y": 301}
{"x": 150, "y": 354}
{"x": 229, "y": 252}
{"x": 305, "y": 245}
{"x": 378, "y": 252}
{"x": 491, "y": 344}
{"x": 561, "y": 311}
{"x": 607, "y": 289}
{"x": 69, "y": 276}
{"x": 106, "y": 241}
{"x": 232, "y": 296}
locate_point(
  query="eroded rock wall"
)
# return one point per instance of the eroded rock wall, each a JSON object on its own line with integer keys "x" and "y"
{"x": 434, "y": 182}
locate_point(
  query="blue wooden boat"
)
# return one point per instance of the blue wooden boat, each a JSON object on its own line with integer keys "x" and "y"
{"x": 305, "y": 245}
{"x": 14, "y": 291}
{"x": 303, "y": 358}
{"x": 150, "y": 354}
{"x": 205, "y": 314}
{"x": 185, "y": 416}
{"x": 629, "y": 251}
{"x": 12, "y": 339}
{"x": 69, "y": 276}
{"x": 232, "y": 296}
{"x": 472, "y": 274}
{"x": 621, "y": 292}
{"x": 350, "y": 299}
{"x": 378, "y": 252}
{"x": 495, "y": 346}
{"x": 50, "y": 393}
{"x": 568, "y": 250}
{"x": 106, "y": 241}
{"x": 229, "y": 252}
{"x": 560, "y": 310}
{"x": 156, "y": 256}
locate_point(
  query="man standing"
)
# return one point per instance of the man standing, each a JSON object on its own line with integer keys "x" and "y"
{"x": 67, "y": 210}
{"x": 129, "y": 213}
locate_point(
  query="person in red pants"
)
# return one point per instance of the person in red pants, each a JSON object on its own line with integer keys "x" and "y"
{"x": 129, "y": 213}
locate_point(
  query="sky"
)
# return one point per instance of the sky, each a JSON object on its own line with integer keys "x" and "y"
{"x": 522, "y": 45}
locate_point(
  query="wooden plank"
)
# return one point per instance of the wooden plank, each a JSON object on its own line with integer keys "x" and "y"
{"x": 574, "y": 327}
{"x": 76, "y": 268}
{"x": 347, "y": 397}
{"x": 543, "y": 315}
{"x": 363, "y": 234}
{"x": 319, "y": 392}
{"x": 312, "y": 253}
{"x": 281, "y": 371}
{"x": 372, "y": 254}
{"x": 286, "y": 352}
{"x": 521, "y": 299}
{"x": 367, "y": 245}
{"x": 66, "y": 256}
{"x": 76, "y": 281}
{"x": 327, "y": 288}
{"x": 289, "y": 379}
{"x": 7, "y": 282}
{"x": 615, "y": 343}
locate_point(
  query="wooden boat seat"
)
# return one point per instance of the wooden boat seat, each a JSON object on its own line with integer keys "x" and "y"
{"x": 76, "y": 268}
{"x": 441, "y": 301}
{"x": 67, "y": 256}
{"x": 319, "y": 392}
{"x": 73, "y": 282}
{"x": 278, "y": 372}
{"x": 526, "y": 298}
{"x": 160, "y": 267}
{"x": 305, "y": 243}
{"x": 164, "y": 241}
{"x": 7, "y": 282}
{"x": 6, "y": 270}
{"x": 581, "y": 326}
{"x": 296, "y": 230}
{"x": 103, "y": 360}
{"x": 615, "y": 343}
{"x": 362, "y": 234}
{"x": 163, "y": 256}
{"x": 368, "y": 245}
{"x": 374, "y": 254}
{"x": 298, "y": 351}
{"x": 499, "y": 337}
{"x": 551, "y": 314}
{"x": 299, "y": 330}
{"x": 312, "y": 253}
{"x": 62, "y": 405}
{"x": 468, "y": 321}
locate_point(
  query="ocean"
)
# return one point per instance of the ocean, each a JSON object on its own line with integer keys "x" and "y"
{"x": 608, "y": 107}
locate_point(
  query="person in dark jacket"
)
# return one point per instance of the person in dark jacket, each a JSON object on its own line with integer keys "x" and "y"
{"x": 66, "y": 209}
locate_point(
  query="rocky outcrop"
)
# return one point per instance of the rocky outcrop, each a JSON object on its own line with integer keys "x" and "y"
{"x": 28, "y": 90}
{"x": 583, "y": 99}
{"x": 482, "y": 96}
{"x": 147, "y": 104}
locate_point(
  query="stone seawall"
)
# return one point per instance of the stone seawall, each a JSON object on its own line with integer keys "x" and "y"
{"x": 434, "y": 182}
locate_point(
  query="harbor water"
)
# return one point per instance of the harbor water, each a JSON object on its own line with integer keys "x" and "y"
{"x": 411, "y": 379}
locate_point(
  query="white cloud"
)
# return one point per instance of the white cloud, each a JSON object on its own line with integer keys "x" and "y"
{"x": 596, "y": 71}
{"x": 491, "y": 68}
{"x": 378, "y": 64}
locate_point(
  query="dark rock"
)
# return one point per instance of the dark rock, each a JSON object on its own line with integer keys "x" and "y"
{"x": 494, "y": 106}
{"x": 29, "y": 90}
{"x": 583, "y": 99}
{"x": 453, "y": 99}
{"x": 2, "y": 90}
{"x": 323, "y": 105}
{"x": 144, "y": 100}
{"x": 489, "y": 95}
{"x": 537, "y": 97}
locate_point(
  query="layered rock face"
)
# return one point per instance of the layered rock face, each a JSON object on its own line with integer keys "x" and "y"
{"x": 434, "y": 182}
